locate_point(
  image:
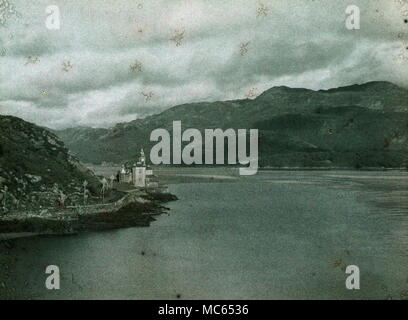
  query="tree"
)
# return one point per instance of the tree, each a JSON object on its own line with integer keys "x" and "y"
{"x": 4, "y": 191}
{"x": 112, "y": 178}
{"x": 86, "y": 192}
{"x": 55, "y": 188}
{"x": 61, "y": 199}
{"x": 105, "y": 186}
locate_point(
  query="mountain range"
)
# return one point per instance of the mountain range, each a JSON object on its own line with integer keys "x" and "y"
{"x": 356, "y": 126}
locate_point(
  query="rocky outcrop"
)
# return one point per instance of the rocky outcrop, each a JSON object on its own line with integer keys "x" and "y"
{"x": 36, "y": 167}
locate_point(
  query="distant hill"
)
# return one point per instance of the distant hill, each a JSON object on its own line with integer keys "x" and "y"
{"x": 355, "y": 126}
{"x": 33, "y": 160}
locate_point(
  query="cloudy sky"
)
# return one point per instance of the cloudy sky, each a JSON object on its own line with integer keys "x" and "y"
{"x": 127, "y": 59}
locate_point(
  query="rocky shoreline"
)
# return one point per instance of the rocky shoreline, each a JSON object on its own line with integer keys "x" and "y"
{"x": 136, "y": 209}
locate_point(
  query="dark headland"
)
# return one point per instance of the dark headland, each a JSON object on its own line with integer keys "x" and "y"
{"x": 47, "y": 190}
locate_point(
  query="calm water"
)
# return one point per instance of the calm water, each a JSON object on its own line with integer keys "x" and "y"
{"x": 278, "y": 235}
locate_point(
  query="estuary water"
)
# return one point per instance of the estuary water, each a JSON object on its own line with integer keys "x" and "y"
{"x": 276, "y": 235}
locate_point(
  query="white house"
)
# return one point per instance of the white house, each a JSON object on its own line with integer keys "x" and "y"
{"x": 140, "y": 175}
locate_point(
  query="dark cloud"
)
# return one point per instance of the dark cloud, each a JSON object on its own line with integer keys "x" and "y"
{"x": 299, "y": 43}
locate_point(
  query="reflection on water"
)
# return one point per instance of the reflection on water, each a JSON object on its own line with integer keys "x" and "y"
{"x": 276, "y": 235}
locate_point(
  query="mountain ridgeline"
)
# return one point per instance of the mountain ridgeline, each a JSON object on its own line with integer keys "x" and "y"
{"x": 355, "y": 126}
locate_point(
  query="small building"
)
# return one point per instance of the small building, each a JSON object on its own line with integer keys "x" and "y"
{"x": 125, "y": 175}
{"x": 138, "y": 174}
